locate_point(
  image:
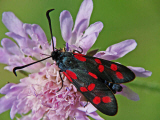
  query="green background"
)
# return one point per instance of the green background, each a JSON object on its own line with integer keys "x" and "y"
{"x": 122, "y": 19}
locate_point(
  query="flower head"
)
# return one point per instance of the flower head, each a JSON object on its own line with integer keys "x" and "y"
{"x": 38, "y": 92}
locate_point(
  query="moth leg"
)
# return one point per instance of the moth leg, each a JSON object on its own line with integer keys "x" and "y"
{"x": 85, "y": 104}
{"x": 78, "y": 51}
{"x": 61, "y": 80}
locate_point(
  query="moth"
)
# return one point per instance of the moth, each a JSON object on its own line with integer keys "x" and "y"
{"x": 97, "y": 79}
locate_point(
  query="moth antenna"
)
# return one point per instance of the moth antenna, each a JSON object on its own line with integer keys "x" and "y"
{"x": 50, "y": 27}
{"x": 20, "y": 67}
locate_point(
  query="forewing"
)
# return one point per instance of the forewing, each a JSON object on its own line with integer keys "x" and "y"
{"x": 108, "y": 70}
{"x": 94, "y": 90}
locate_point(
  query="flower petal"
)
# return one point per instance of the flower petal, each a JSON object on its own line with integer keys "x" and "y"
{"x": 22, "y": 41}
{"x": 94, "y": 28}
{"x": 14, "y": 109}
{"x": 90, "y": 108}
{"x": 123, "y": 47}
{"x": 13, "y": 23}
{"x": 33, "y": 68}
{"x": 40, "y": 36}
{"x": 81, "y": 116}
{"x": 10, "y": 47}
{"x": 85, "y": 11}
{"x": 117, "y": 50}
{"x": 28, "y": 29}
{"x": 6, "y": 103}
{"x": 95, "y": 116}
{"x": 6, "y": 89}
{"x": 140, "y": 72}
{"x": 78, "y": 32}
{"x": 105, "y": 55}
{"x": 127, "y": 92}
{"x": 37, "y": 34}
{"x": 4, "y": 57}
{"x": 87, "y": 42}
{"x": 39, "y": 114}
{"x": 66, "y": 24}
{"x": 27, "y": 117}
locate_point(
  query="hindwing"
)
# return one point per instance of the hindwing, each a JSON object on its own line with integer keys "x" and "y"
{"x": 95, "y": 91}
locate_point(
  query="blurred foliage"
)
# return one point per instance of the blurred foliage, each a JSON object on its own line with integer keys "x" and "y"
{"x": 123, "y": 19}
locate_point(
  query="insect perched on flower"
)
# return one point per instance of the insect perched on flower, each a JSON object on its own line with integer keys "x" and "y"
{"x": 47, "y": 92}
{"x": 97, "y": 79}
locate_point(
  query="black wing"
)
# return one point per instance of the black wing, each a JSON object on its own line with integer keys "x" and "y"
{"x": 107, "y": 70}
{"x": 89, "y": 74}
{"x": 94, "y": 90}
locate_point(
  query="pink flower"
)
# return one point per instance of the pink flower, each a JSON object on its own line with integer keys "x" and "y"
{"x": 38, "y": 92}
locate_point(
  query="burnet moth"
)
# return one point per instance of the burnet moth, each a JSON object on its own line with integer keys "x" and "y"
{"x": 97, "y": 79}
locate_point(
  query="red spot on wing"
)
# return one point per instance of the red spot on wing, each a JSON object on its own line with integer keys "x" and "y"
{"x": 80, "y": 57}
{"x": 113, "y": 67}
{"x": 96, "y": 100}
{"x": 93, "y": 75}
{"x": 106, "y": 99}
{"x": 67, "y": 76}
{"x": 91, "y": 87}
{"x": 71, "y": 74}
{"x": 98, "y": 61}
{"x": 78, "y": 54}
{"x": 119, "y": 75}
{"x": 83, "y": 89}
{"x": 101, "y": 68}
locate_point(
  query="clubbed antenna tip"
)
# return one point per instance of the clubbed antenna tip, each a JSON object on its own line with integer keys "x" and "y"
{"x": 14, "y": 71}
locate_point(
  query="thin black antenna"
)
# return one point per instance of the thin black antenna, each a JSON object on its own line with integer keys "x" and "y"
{"x": 50, "y": 27}
{"x": 20, "y": 67}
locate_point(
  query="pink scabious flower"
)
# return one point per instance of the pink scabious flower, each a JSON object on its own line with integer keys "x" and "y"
{"x": 36, "y": 96}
